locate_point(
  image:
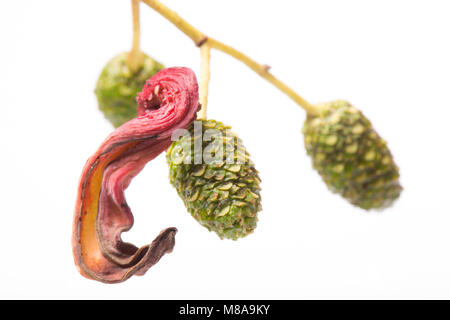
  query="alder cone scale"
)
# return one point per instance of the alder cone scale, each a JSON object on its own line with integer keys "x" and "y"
{"x": 222, "y": 195}
{"x": 351, "y": 157}
{"x": 168, "y": 102}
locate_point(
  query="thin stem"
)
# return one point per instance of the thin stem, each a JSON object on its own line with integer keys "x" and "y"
{"x": 201, "y": 39}
{"x": 263, "y": 71}
{"x": 135, "y": 56}
{"x": 173, "y": 17}
{"x": 205, "y": 54}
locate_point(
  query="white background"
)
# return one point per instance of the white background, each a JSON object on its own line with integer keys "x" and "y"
{"x": 388, "y": 58}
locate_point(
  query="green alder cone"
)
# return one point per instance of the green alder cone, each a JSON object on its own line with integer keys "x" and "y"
{"x": 222, "y": 194}
{"x": 351, "y": 157}
{"x": 117, "y": 87}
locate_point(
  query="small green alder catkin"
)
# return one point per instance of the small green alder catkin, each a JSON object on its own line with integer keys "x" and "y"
{"x": 350, "y": 156}
{"x": 222, "y": 195}
{"x": 117, "y": 87}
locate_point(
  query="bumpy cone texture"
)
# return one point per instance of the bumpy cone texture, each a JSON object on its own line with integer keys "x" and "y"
{"x": 117, "y": 87}
{"x": 222, "y": 195}
{"x": 351, "y": 157}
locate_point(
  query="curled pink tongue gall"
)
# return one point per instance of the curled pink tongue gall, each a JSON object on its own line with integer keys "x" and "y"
{"x": 168, "y": 101}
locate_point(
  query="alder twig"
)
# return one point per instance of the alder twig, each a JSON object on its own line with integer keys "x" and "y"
{"x": 200, "y": 39}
